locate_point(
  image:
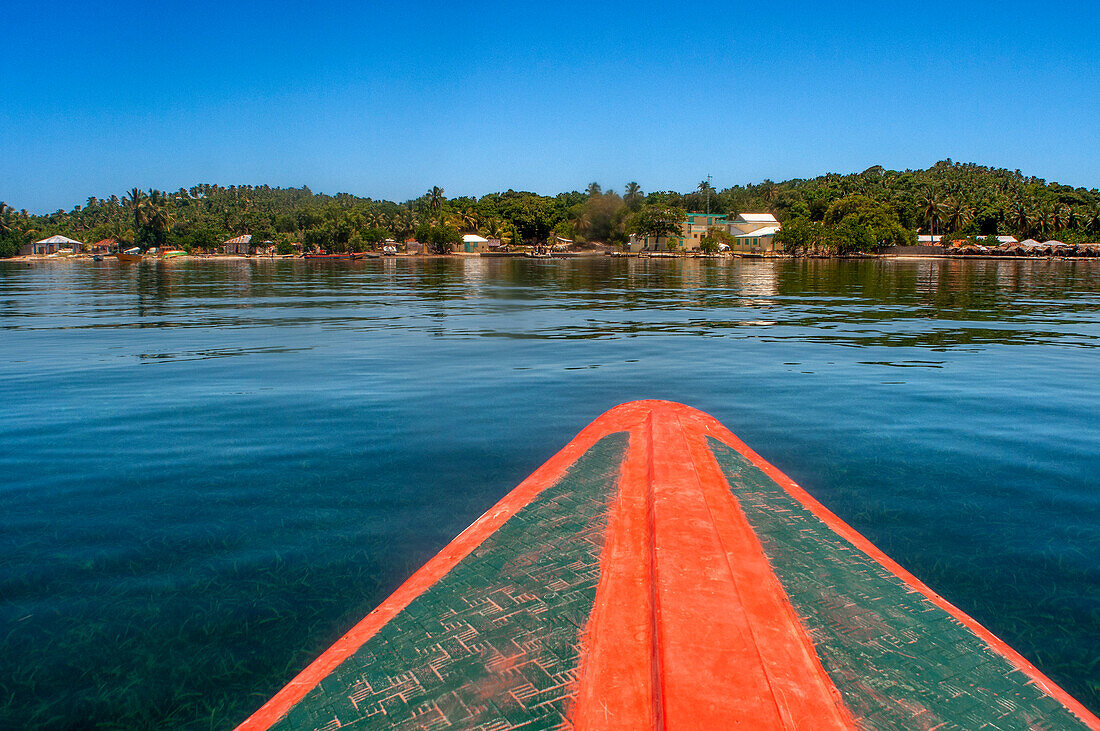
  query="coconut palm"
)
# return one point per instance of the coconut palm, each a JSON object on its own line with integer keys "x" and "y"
{"x": 769, "y": 191}
{"x": 435, "y": 202}
{"x": 1091, "y": 220}
{"x": 956, "y": 214}
{"x": 1043, "y": 221}
{"x": 582, "y": 224}
{"x": 1067, "y": 218}
{"x": 633, "y": 194}
{"x": 496, "y": 228}
{"x": 135, "y": 200}
{"x": 930, "y": 206}
{"x": 403, "y": 223}
{"x": 371, "y": 219}
{"x": 160, "y": 220}
{"x": 705, "y": 189}
{"x": 470, "y": 218}
{"x": 594, "y": 190}
{"x": 7, "y": 218}
{"x": 1022, "y": 216}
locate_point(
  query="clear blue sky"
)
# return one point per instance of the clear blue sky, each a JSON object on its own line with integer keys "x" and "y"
{"x": 389, "y": 99}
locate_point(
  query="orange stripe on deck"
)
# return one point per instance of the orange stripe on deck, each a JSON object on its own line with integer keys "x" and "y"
{"x": 712, "y": 638}
{"x": 619, "y": 675}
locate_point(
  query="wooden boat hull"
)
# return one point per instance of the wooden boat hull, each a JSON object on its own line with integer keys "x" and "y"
{"x": 658, "y": 573}
{"x": 128, "y": 258}
{"x": 345, "y": 257}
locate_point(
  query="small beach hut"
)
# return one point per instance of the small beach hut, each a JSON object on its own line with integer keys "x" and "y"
{"x": 241, "y": 245}
{"x": 105, "y": 246}
{"x": 53, "y": 244}
{"x": 473, "y": 243}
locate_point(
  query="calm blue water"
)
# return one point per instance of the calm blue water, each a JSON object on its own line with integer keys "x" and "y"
{"x": 210, "y": 470}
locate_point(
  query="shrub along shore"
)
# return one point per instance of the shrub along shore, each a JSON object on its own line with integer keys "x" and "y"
{"x": 828, "y": 215}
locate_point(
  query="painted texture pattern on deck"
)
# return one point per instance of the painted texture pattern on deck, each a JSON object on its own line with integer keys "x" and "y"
{"x": 495, "y": 643}
{"x": 898, "y": 660}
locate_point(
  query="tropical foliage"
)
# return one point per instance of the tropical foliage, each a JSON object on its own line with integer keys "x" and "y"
{"x": 867, "y": 209}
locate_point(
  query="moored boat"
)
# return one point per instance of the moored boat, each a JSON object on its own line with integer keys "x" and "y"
{"x": 658, "y": 573}
{"x": 333, "y": 256}
{"x": 126, "y": 257}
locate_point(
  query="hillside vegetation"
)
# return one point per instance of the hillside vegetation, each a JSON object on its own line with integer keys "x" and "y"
{"x": 846, "y": 212}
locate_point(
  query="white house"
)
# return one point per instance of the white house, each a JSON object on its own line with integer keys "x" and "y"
{"x": 472, "y": 243}
{"x": 51, "y": 245}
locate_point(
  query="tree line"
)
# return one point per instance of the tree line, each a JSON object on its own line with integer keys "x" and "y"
{"x": 852, "y": 212}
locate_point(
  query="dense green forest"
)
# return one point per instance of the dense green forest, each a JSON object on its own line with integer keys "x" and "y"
{"x": 857, "y": 211}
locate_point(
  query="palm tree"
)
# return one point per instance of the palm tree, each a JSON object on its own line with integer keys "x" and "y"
{"x": 7, "y": 218}
{"x": 1091, "y": 220}
{"x": 135, "y": 201}
{"x": 594, "y": 190}
{"x": 470, "y": 218}
{"x": 372, "y": 219}
{"x": 435, "y": 202}
{"x": 1064, "y": 218}
{"x": 1044, "y": 221}
{"x": 769, "y": 191}
{"x": 404, "y": 223}
{"x": 956, "y": 214}
{"x": 582, "y": 224}
{"x": 705, "y": 188}
{"x": 496, "y": 228}
{"x": 158, "y": 217}
{"x": 633, "y": 194}
{"x": 930, "y": 207}
{"x": 1021, "y": 214}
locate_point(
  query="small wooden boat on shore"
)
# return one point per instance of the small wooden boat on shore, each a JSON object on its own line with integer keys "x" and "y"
{"x": 126, "y": 258}
{"x": 334, "y": 257}
{"x": 658, "y": 573}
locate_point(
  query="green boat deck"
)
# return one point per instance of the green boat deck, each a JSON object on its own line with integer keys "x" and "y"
{"x": 522, "y": 623}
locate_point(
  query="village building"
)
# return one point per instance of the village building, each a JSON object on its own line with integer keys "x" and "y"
{"x": 241, "y": 245}
{"x": 50, "y": 245}
{"x": 472, "y": 243}
{"x": 105, "y": 246}
{"x": 751, "y": 232}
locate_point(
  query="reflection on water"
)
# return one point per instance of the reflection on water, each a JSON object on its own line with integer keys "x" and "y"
{"x": 213, "y": 468}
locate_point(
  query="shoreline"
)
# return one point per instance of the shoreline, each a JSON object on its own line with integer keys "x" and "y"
{"x": 562, "y": 256}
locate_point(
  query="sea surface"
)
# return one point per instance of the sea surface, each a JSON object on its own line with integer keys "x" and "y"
{"x": 210, "y": 470}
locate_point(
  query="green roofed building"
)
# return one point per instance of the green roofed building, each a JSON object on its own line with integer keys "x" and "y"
{"x": 750, "y": 232}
